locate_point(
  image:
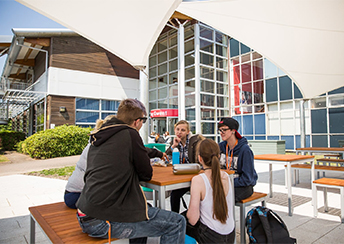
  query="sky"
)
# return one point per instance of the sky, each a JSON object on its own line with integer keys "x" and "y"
{"x": 16, "y": 15}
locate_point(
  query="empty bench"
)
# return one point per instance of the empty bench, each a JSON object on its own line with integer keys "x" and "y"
{"x": 254, "y": 198}
{"x": 60, "y": 225}
{"x": 328, "y": 183}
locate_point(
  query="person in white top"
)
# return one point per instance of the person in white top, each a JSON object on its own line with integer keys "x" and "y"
{"x": 210, "y": 215}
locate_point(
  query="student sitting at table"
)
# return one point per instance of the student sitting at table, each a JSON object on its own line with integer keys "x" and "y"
{"x": 237, "y": 155}
{"x": 186, "y": 142}
{"x": 210, "y": 218}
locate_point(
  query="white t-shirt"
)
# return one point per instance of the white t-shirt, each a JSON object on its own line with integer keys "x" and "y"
{"x": 206, "y": 208}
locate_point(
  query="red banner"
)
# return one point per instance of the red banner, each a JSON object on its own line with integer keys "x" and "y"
{"x": 156, "y": 113}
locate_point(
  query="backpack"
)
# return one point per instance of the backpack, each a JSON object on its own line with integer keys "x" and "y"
{"x": 265, "y": 226}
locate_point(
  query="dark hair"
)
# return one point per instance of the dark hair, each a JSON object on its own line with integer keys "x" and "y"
{"x": 209, "y": 152}
{"x": 130, "y": 109}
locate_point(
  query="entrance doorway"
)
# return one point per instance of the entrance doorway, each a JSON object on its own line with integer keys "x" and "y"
{"x": 163, "y": 120}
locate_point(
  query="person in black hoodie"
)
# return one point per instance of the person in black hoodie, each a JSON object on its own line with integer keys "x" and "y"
{"x": 112, "y": 202}
{"x": 235, "y": 154}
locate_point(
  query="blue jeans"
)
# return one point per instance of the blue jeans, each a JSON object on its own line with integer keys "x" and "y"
{"x": 168, "y": 225}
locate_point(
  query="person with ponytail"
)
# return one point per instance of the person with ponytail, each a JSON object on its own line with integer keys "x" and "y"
{"x": 210, "y": 217}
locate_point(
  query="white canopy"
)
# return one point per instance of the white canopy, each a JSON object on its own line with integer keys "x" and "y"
{"x": 305, "y": 38}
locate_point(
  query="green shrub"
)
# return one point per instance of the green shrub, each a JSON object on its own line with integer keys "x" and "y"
{"x": 58, "y": 142}
{"x": 9, "y": 139}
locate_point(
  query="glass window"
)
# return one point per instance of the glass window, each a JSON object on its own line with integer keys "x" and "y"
{"x": 152, "y": 83}
{"x": 152, "y": 61}
{"x": 189, "y": 46}
{"x": 81, "y": 116}
{"x": 319, "y": 121}
{"x": 207, "y": 100}
{"x": 154, "y": 49}
{"x": 247, "y": 125}
{"x": 297, "y": 92}
{"x": 318, "y": 102}
{"x": 152, "y": 106}
{"x": 222, "y": 113}
{"x": 189, "y": 73}
{"x": 208, "y": 128}
{"x": 258, "y": 91}
{"x": 245, "y": 58}
{"x": 162, "y": 104}
{"x": 173, "y": 78}
{"x": 221, "y": 50}
{"x": 162, "y": 57}
{"x": 221, "y": 76}
{"x": 110, "y": 105}
{"x": 173, "y": 65}
{"x": 285, "y": 88}
{"x": 206, "y": 46}
{"x": 257, "y": 67}
{"x": 319, "y": 141}
{"x": 270, "y": 69}
{"x": 173, "y": 40}
{"x": 162, "y": 45}
{"x": 190, "y": 86}
{"x": 244, "y": 48}
{"x": 336, "y": 100}
{"x": 207, "y": 73}
{"x": 189, "y": 59}
{"x": 162, "y": 81}
{"x": 220, "y": 38}
{"x": 222, "y": 102}
{"x": 162, "y": 93}
{"x": 207, "y": 114}
{"x": 104, "y": 115}
{"x": 206, "y": 59}
{"x": 152, "y": 95}
{"x": 259, "y": 124}
{"x": 336, "y": 118}
{"x": 188, "y": 32}
{"x": 207, "y": 86}
{"x": 152, "y": 72}
{"x": 206, "y": 33}
{"x": 190, "y": 114}
{"x": 222, "y": 89}
{"x": 173, "y": 102}
{"x": 259, "y": 109}
{"x": 336, "y": 91}
{"x": 162, "y": 69}
{"x": 221, "y": 63}
{"x": 88, "y": 104}
{"x": 190, "y": 100}
{"x": 271, "y": 90}
{"x": 173, "y": 52}
{"x": 234, "y": 47}
{"x": 245, "y": 73}
{"x": 256, "y": 55}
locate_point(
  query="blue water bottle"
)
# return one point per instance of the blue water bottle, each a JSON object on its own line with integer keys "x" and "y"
{"x": 175, "y": 156}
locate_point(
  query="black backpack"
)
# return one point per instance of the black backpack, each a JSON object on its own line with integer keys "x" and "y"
{"x": 265, "y": 226}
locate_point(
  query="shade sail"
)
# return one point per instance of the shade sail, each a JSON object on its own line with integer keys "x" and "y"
{"x": 305, "y": 38}
{"x": 127, "y": 28}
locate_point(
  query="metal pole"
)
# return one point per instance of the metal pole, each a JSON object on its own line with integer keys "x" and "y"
{"x": 144, "y": 99}
{"x": 302, "y": 124}
{"x": 197, "y": 81}
{"x": 181, "y": 73}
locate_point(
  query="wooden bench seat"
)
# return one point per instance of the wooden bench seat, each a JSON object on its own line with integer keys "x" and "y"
{"x": 328, "y": 183}
{"x": 329, "y": 161}
{"x": 254, "y": 198}
{"x": 60, "y": 224}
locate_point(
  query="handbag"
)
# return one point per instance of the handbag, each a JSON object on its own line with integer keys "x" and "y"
{"x": 182, "y": 169}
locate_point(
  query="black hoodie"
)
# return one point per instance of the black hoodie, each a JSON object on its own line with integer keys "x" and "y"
{"x": 116, "y": 162}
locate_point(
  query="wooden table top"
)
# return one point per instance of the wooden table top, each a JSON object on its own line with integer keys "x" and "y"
{"x": 321, "y": 149}
{"x": 281, "y": 157}
{"x": 163, "y": 176}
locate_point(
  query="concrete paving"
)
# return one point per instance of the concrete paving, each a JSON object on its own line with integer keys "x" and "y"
{"x": 18, "y": 192}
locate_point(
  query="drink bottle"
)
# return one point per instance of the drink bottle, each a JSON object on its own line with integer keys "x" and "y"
{"x": 175, "y": 156}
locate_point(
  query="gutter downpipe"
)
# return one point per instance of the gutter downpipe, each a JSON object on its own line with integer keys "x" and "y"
{"x": 302, "y": 124}
{"x": 144, "y": 99}
{"x": 46, "y": 74}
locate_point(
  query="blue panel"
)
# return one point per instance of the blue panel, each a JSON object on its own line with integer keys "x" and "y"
{"x": 248, "y": 125}
{"x": 86, "y": 116}
{"x": 336, "y": 91}
{"x": 319, "y": 121}
{"x": 298, "y": 141}
{"x": 319, "y": 141}
{"x": 259, "y": 124}
{"x": 289, "y": 142}
{"x": 273, "y": 137}
{"x": 238, "y": 118}
{"x": 308, "y": 141}
{"x": 336, "y": 117}
{"x": 244, "y": 48}
{"x": 234, "y": 47}
{"x": 285, "y": 88}
{"x": 297, "y": 92}
{"x": 110, "y": 105}
{"x": 271, "y": 90}
{"x": 104, "y": 115}
{"x": 334, "y": 140}
{"x": 89, "y": 104}
{"x": 249, "y": 137}
{"x": 260, "y": 138}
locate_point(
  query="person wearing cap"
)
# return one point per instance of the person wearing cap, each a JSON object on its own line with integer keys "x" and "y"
{"x": 235, "y": 154}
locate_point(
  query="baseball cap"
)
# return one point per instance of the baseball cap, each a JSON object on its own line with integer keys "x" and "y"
{"x": 232, "y": 124}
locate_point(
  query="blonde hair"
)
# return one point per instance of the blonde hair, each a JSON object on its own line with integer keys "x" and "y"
{"x": 183, "y": 122}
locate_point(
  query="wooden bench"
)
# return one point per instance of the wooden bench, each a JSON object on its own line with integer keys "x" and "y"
{"x": 328, "y": 183}
{"x": 60, "y": 224}
{"x": 254, "y": 198}
{"x": 316, "y": 167}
